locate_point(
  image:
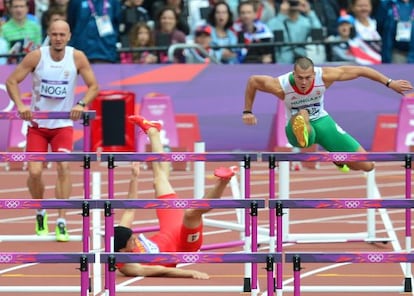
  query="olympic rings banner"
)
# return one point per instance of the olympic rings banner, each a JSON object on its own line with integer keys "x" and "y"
{"x": 215, "y": 93}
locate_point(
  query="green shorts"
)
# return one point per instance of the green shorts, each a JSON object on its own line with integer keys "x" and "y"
{"x": 328, "y": 134}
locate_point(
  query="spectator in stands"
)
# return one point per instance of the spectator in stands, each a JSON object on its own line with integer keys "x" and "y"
{"x": 132, "y": 13}
{"x": 148, "y": 4}
{"x": 296, "y": 19}
{"x": 198, "y": 11}
{"x": 365, "y": 26}
{"x": 395, "y": 25}
{"x": 179, "y": 8}
{"x": 353, "y": 48}
{"x": 40, "y": 7}
{"x": 54, "y": 13}
{"x": 233, "y": 4}
{"x": 220, "y": 19}
{"x": 55, "y": 6}
{"x": 327, "y": 12}
{"x": 4, "y": 48}
{"x": 341, "y": 52}
{"x": 166, "y": 33}
{"x": 22, "y": 34}
{"x": 141, "y": 36}
{"x": 95, "y": 28}
{"x": 3, "y": 11}
{"x": 264, "y": 10}
{"x": 202, "y": 37}
{"x": 249, "y": 30}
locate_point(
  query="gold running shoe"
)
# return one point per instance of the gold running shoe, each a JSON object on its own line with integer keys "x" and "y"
{"x": 300, "y": 131}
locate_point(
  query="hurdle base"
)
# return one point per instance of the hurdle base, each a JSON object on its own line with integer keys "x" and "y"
{"x": 180, "y": 289}
{"x": 40, "y": 289}
{"x": 309, "y": 238}
{"x": 408, "y": 285}
{"x": 35, "y": 238}
{"x": 246, "y": 285}
{"x": 343, "y": 289}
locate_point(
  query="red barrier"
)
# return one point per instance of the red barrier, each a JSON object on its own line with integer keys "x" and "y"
{"x": 385, "y": 133}
{"x": 188, "y": 130}
{"x": 111, "y": 130}
{"x": 405, "y": 129}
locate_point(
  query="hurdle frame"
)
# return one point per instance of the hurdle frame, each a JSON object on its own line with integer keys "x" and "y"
{"x": 23, "y": 258}
{"x": 54, "y": 157}
{"x": 20, "y": 258}
{"x": 250, "y": 283}
{"x": 280, "y": 205}
{"x": 372, "y": 193}
{"x": 110, "y": 158}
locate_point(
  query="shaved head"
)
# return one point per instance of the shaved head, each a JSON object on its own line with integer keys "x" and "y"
{"x": 59, "y": 25}
{"x": 59, "y": 34}
{"x": 303, "y": 63}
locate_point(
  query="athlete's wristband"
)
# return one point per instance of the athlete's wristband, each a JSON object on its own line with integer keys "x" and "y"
{"x": 388, "y": 82}
{"x": 81, "y": 103}
{"x": 247, "y": 112}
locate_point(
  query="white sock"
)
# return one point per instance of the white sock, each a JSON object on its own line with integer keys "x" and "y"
{"x": 61, "y": 220}
{"x": 41, "y": 212}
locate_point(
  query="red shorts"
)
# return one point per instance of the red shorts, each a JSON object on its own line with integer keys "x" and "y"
{"x": 60, "y": 139}
{"x": 173, "y": 235}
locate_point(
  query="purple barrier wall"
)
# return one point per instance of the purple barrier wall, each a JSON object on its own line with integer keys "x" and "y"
{"x": 216, "y": 94}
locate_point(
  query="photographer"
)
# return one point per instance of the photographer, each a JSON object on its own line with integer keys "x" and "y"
{"x": 295, "y": 20}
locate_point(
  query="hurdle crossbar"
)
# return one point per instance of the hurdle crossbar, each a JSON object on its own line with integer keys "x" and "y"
{"x": 14, "y": 115}
{"x": 188, "y": 257}
{"x": 356, "y": 203}
{"x": 24, "y": 258}
{"x": 179, "y": 156}
{"x": 13, "y": 204}
{"x": 336, "y": 156}
{"x": 355, "y": 257}
{"x": 45, "y": 156}
{"x": 181, "y": 203}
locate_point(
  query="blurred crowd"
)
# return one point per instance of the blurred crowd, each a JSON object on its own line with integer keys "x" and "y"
{"x": 216, "y": 31}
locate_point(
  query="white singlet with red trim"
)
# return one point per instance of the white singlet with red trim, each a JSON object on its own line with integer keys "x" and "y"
{"x": 313, "y": 101}
{"x": 54, "y": 85}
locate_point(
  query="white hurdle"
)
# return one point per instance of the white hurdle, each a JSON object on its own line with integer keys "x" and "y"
{"x": 372, "y": 192}
{"x": 96, "y": 235}
{"x": 237, "y": 193}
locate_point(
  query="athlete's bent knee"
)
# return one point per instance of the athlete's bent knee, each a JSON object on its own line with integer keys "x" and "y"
{"x": 368, "y": 166}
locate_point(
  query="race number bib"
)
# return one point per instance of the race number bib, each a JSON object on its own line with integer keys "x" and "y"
{"x": 104, "y": 25}
{"x": 50, "y": 89}
{"x": 403, "y": 31}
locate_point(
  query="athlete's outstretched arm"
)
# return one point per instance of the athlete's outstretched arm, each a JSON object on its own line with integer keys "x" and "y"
{"x": 343, "y": 73}
{"x": 136, "y": 269}
{"x": 129, "y": 214}
{"x": 255, "y": 83}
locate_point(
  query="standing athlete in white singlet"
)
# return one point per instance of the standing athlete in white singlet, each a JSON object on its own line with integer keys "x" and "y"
{"x": 54, "y": 69}
{"x": 302, "y": 91}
